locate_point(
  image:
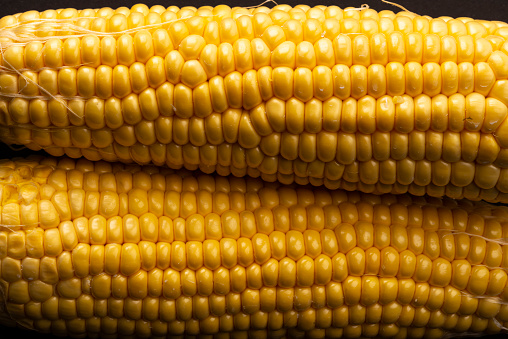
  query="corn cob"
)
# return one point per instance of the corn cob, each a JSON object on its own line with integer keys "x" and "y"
{"x": 111, "y": 249}
{"x": 359, "y": 100}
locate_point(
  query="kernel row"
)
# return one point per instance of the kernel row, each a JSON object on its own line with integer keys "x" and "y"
{"x": 471, "y": 192}
{"x": 213, "y": 106}
{"x": 66, "y": 174}
{"x": 173, "y": 136}
{"x": 175, "y": 269}
{"x": 246, "y": 22}
{"x": 209, "y": 216}
{"x": 289, "y": 46}
{"x": 97, "y": 328}
{"x": 53, "y": 171}
{"x": 76, "y": 203}
{"x": 385, "y": 301}
{"x": 46, "y": 170}
{"x": 54, "y": 92}
{"x": 332, "y": 175}
{"x": 223, "y": 11}
{"x": 380, "y": 163}
{"x": 226, "y": 327}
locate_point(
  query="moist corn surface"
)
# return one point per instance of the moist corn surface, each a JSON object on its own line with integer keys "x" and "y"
{"x": 353, "y": 99}
{"x": 103, "y": 249}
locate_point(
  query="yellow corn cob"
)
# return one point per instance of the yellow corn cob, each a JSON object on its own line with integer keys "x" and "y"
{"x": 350, "y": 99}
{"x": 111, "y": 249}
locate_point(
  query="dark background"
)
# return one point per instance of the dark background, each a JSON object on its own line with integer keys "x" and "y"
{"x": 478, "y": 9}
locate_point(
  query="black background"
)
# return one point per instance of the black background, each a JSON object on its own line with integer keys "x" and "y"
{"x": 478, "y": 9}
